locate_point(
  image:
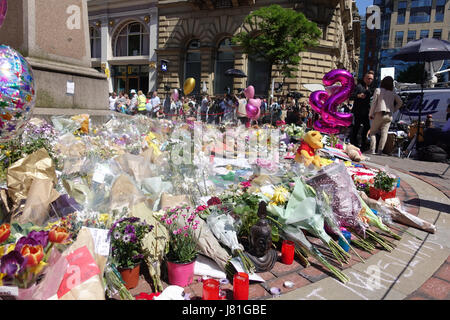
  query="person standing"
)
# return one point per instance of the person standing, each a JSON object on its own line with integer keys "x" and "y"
{"x": 204, "y": 108}
{"x": 112, "y": 101}
{"x": 132, "y": 109}
{"x": 361, "y": 106}
{"x": 142, "y": 101}
{"x": 242, "y": 111}
{"x": 155, "y": 103}
{"x": 384, "y": 104}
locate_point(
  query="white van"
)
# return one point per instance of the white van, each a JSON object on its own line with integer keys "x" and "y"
{"x": 435, "y": 102}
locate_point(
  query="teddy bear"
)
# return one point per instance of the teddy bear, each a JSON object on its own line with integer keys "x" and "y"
{"x": 306, "y": 153}
{"x": 353, "y": 152}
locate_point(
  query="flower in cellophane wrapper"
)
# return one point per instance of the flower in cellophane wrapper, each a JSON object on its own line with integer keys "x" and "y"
{"x": 12, "y": 264}
{"x": 58, "y": 234}
{"x": 33, "y": 254}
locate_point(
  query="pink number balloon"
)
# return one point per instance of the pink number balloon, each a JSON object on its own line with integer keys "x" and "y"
{"x": 326, "y": 102}
{"x": 249, "y": 92}
{"x": 3, "y": 10}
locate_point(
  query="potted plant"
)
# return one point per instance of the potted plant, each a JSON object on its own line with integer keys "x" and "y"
{"x": 182, "y": 224}
{"x": 384, "y": 186}
{"x": 127, "y": 247}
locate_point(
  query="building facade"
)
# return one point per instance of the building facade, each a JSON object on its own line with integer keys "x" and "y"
{"x": 123, "y": 37}
{"x": 403, "y": 21}
{"x": 195, "y": 41}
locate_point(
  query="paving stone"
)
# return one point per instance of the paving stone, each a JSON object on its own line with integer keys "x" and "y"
{"x": 312, "y": 273}
{"x": 256, "y": 291}
{"x": 443, "y": 272}
{"x": 280, "y": 268}
{"x": 298, "y": 281}
{"x": 436, "y": 288}
{"x": 266, "y": 275}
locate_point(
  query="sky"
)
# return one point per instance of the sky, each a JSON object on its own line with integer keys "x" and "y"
{"x": 362, "y": 5}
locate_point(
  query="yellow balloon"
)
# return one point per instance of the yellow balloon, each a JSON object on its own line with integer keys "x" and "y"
{"x": 189, "y": 86}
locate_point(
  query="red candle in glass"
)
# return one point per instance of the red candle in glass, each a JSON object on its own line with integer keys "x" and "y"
{"x": 211, "y": 289}
{"x": 287, "y": 252}
{"x": 240, "y": 286}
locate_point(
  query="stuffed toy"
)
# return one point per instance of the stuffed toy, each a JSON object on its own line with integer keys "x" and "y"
{"x": 353, "y": 153}
{"x": 306, "y": 153}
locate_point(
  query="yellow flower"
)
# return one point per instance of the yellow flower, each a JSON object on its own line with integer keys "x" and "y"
{"x": 8, "y": 153}
{"x": 7, "y": 249}
{"x": 2, "y": 275}
{"x": 38, "y": 268}
{"x": 51, "y": 225}
{"x": 103, "y": 218}
{"x": 2, "y": 146}
{"x": 280, "y": 195}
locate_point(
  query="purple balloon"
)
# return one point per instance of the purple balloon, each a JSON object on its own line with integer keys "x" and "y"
{"x": 253, "y": 112}
{"x": 3, "y": 10}
{"x": 324, "y": 127}
{"x": 317, "y": 99}
{"x": 249, "y": 92}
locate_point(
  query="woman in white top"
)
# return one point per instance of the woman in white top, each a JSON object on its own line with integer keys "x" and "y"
{"x": 384, "y": 104}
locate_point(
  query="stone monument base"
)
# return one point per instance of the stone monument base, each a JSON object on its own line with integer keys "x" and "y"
{"x": 54, "y": 83}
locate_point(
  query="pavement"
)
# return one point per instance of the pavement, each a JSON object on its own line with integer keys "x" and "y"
{"x": 414, "y": 270}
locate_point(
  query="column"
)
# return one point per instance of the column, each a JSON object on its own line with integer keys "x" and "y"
{"x": 106, "y": 50}
{"x": 153, "y": 34}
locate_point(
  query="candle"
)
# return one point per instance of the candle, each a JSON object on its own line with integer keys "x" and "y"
{"x": 240, "y": 286}
{"x": 287, "y": 252}
{"x": 211, "y": 289}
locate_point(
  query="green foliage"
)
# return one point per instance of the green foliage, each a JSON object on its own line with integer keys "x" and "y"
{"x": 383, "y": 181}
{"x": 413, "y": 74}
{"x": 281, "y": 34}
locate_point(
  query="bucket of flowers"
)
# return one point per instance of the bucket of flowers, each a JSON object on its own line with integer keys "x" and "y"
{"x": 384, "y": 186}
{"x": 127, "y": 247}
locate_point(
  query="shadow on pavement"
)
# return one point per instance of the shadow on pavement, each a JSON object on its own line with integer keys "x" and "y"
{"x": 428, "y": 174}
{"x": 429, "y": 204}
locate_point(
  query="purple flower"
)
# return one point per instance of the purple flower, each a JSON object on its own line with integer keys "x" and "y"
{"x": 133, "y": 237}
{"x": 40, "y": 236}
{"x": 130, "y": 229}
{"x": 23, "y": 241}
{"x": 138, "y": 257}
{"x": 12, "y": 264}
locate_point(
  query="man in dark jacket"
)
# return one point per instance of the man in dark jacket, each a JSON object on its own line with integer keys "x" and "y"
{"x": 361, "y": 96}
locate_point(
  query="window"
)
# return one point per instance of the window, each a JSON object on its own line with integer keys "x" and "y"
{"x": 440, "y": 11}
{"x": 96, "y": 42}
{"x": 192, "y": 66}
{"x": 437, "y": 33}
{"x": 133, "y": 40}
{"x": 420, "y": 11}
{"x": 401, "y": 12}
{"x": 224, "y": 61}
{"x": 398, "y": 39}
{"x": 411, "y": 35}
{"x": 424, "y": 34}
{"x": 258, "y": 75}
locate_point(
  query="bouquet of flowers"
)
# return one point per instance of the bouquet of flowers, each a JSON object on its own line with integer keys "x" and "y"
{"x": 181, "y": 224}
{"x": 295, "y": 132}
{"x": 24, "y": 260}
{"x": 126, "y": 241}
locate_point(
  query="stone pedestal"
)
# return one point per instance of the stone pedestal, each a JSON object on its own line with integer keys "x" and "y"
{"x": 53, "y": 35}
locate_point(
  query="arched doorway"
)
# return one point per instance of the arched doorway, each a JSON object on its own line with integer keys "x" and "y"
{"x": 192, "y": 65}
{"x": 224, "y": 61}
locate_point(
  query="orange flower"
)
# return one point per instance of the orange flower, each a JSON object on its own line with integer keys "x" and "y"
{"x": 5, "y": 231}
{"x": 33, "y": 254}
{"x": 58, "y": 234}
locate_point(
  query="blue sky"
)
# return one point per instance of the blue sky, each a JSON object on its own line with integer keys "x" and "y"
{"x": 362, "y": 5}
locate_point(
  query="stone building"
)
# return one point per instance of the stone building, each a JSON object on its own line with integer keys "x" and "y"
{"x": 123, "y": 37}
{"x": 194, "y": 39}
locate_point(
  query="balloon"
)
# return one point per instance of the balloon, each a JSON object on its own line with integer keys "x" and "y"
{"x": 253, "y": 112}
{"x": 255, "y": 102}
{"x": 3, "y": 10}
{"x": 326, "y": 102}
{"x": 17, "y": 93}
{"x": 324, "y": 127}
{"x": 249, "y": 92}
{"x": 175, "y": 95}
{"x": 189, "y": 86}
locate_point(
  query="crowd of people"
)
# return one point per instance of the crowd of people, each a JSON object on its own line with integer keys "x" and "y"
{"x": 372, "y": 108}
{"x": 221, "y": 109}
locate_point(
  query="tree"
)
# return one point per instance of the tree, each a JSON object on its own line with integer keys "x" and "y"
{"x": 412, "y": 74}
{"x": 278, "y": 36}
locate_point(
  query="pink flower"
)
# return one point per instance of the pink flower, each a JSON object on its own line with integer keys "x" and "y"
{"x": 339, "y": 146}
{"x": 169, "y": 221}
{"x": 246, "y": 184}
{"x": 186, "y": 227}
{"x": 186, "y": 235}
{"x": 201, "y": 208}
